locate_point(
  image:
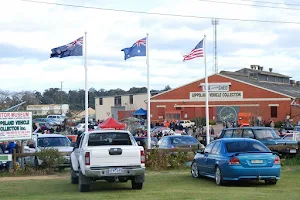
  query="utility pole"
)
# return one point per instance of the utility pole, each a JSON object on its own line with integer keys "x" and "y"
{"x": 61, "y": 103}
{"x": 215, "y": 22}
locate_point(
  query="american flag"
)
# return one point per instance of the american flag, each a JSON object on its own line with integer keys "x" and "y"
{"x": 196, "y": 52}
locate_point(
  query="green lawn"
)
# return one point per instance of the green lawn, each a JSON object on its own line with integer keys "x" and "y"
{"x": 159, "y": 185}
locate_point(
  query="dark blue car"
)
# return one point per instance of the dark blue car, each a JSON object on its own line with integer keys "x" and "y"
{"x": 237, "y": 159}
{"x": 266, "y": 135}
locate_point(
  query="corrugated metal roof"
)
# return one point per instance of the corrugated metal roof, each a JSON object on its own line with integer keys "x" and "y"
{"x": 287, "y": 89}
{"x": 264, "y": 72}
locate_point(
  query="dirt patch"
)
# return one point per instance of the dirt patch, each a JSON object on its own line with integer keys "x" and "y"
{"x": 25, "y": 178}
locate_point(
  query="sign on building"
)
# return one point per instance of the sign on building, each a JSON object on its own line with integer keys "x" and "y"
{"x": 217, "y": 96}
{"x": 15, "y": 126}
{"x": 216, "y": 87}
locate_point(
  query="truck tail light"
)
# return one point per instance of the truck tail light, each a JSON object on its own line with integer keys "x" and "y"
{"x": 234, "y": 161}
{"x": 277, "y": 161}
{"x": 87, "y": 158}
{"x": 142, "y": 157}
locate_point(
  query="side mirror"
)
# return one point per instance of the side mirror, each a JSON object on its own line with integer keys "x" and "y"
{"x": 74, "y": 144}
{"x": 32, "y": 146}
{"x": 200, "y": 151}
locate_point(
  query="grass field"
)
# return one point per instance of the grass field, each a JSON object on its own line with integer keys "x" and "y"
{"x": 159, "y": 185}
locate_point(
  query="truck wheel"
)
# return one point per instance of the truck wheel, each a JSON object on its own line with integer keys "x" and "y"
{"x": 84, "y": 185}
{"x": 74, "y": 177}
{"x": 136, "y": 186}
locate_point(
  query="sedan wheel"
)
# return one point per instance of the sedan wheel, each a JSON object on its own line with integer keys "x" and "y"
{"x": 218, "y": 177}
{"x": 194, "y": 171}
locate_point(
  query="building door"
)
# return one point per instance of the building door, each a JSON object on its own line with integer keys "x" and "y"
{"x": 161, "y": 113}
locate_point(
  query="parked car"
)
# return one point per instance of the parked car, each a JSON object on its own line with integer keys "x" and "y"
{"x": 57, "y": 118}
{"x": 266, "y": 135}
{"x": 179, "y": 141}
{"x": 237, "y": 159}
{"x": 44, "y": 121}
{"x": 46, "y": 141}
{"x": 187, "y": 123}
{"x": 4, "y": 165}
{"x": 292, "y": 136}
{"x": 143, "y": 141}
{"x": 111, "y": 155}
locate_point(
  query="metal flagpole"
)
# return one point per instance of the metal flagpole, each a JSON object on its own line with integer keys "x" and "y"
{"x": 206, "y": 94}
{"x": 86, "y": 85}
{"x": 148, "y": 96}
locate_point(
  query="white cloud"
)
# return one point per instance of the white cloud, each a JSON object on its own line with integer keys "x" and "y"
{"x": 42, "y": 27}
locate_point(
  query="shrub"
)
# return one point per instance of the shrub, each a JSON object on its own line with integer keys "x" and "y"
{"x": 51, "y": 158}
{"x": 162, "y": 160}
{"x": 157, "y": 160}
{"x": 212, "y": 122}
{"x": 291, "y": 161}
{"x": 278, "y": 124}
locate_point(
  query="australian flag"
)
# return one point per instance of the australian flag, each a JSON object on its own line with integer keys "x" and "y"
{"x": 137, "y": 49}
{"x": 72, "y": 49}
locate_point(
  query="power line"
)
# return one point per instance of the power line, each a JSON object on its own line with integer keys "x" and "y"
{"x": 270, "y": 2}
{"x": 242, "y": 4}
{"x": 162, "y": 14}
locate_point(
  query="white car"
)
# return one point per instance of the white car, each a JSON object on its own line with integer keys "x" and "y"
{"x": 110, "y": 155}
{"x": 40, "y": 141}
{"x": 57, "y": 118}
{"x": 292, "y": 136}
{"x": 187, "y": 123}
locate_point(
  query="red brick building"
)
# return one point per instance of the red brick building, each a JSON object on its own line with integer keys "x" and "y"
{"x": 264, "y": 94}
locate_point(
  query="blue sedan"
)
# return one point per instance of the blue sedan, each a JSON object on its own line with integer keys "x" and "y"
{"x": 237, "y": 159}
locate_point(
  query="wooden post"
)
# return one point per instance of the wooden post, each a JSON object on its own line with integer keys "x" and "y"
{"x": 14, "y": 160}
{"x": 22, "y": 151}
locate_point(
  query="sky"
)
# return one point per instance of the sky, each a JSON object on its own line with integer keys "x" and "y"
{"x": 28, "y": 32}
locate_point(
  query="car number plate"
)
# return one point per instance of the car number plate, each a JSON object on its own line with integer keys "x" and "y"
{"x": 257, "y": 161}
{"x": 293, "y": 151}
{"x": 115, "y": 170}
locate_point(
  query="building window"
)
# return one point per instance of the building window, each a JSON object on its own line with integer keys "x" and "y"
{"x": 118, "y": 101}
{"x": 178, "y": 108}
{"x": 130, "y": 99}
{"x": 100, "y": 101}
{"x": 273, "y": 111}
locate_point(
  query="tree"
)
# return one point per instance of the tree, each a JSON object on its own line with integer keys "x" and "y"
{"x": 167, "y": 88}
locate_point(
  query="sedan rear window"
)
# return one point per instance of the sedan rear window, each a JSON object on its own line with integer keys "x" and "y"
{"x": 245, "y": 146}
{"x": 110, "y": 138}
{"x": 183, "y": 140}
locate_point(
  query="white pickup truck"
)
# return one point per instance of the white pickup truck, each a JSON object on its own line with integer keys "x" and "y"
{"x": 110, "y": 155}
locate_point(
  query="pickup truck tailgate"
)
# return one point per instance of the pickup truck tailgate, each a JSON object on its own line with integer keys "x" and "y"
{"x": 120, "y": 155}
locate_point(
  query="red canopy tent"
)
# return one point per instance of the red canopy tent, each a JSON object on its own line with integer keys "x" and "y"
{"x": 112, "y": 123}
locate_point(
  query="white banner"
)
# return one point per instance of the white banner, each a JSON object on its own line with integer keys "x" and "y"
{"x": 216, "y": 88}
{"x": 221, "y": 96}
{"x": 15, "y": 126}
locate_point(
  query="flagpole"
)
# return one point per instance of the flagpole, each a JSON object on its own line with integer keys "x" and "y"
{"x": 148, "y": 94}
{"x": 206, "y": 94}
{"x": 86, "y": 84}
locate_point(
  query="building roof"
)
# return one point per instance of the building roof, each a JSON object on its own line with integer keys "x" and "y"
{"x": 122, "y": 95}
{"x": 263, "y": 72}
{"x": 285, "y": 89}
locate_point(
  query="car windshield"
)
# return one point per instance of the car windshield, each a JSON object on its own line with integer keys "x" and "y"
{"x": 110, "y": 138}
{"x": 245, "y": 146}
{"x": 181, "y": 140}
{"x": 265, "y": 134}
{"x": 53, "y": 142}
